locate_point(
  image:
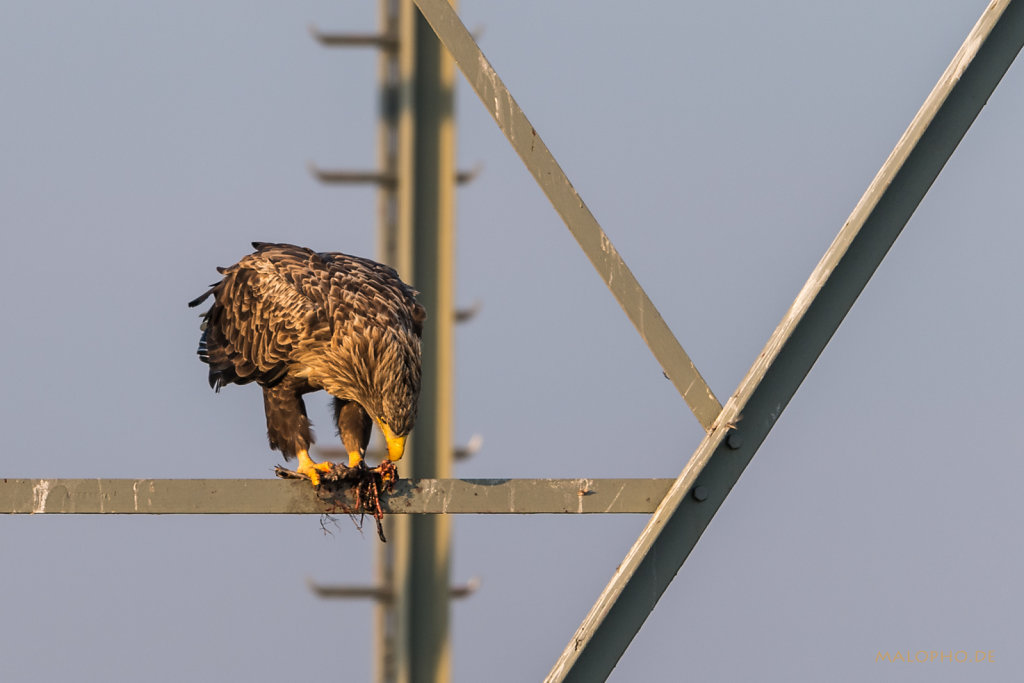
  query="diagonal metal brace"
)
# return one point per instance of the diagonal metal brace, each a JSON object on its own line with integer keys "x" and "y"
{"x": 581, "y": 223}
{"x": 819, "y": 308}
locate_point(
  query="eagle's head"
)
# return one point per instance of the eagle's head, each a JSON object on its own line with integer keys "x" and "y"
{"x": 398, "y": 383}
{"x": 386, "y": 383}
{"x": 395, "y": 416}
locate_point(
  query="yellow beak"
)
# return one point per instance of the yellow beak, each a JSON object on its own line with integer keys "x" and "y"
{"x": 396, "y": 444}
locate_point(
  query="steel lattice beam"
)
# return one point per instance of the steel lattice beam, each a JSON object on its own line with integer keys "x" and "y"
{"x": 570, "y": 206}
{"x": 820, "y": 307}
{"x": 291, "y": 497}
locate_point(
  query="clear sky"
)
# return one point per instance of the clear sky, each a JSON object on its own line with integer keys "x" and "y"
{"x": 721, "y": 146}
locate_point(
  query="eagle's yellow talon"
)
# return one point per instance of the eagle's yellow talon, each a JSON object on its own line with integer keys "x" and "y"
{"x": 312, "y": 469}
{"x": 354, "y": 458}
{"x": 314, "y": 477}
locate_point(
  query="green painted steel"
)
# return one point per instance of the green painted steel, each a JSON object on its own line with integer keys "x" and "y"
{"x": 296, "y": 497}
{"x": 396, "y": 71}
{"x": 581, "y": 223}
{"x": 433, "y": 273}
{"x": 795, "y": 345}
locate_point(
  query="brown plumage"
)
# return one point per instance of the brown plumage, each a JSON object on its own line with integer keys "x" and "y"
{"x": 295, "y": 321}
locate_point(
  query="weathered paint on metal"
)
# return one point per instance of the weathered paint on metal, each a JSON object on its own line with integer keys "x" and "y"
{"x": 396, "y": 72}
{"x": 795, "y": 345}
{"x": 426, "y": 595}
{"x": 296, "y": 497}
{"x": 678, "y": 366}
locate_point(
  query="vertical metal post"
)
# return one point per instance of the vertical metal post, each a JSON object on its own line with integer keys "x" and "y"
{"x": 396, "y": 71}
{"x": 417, "y": 216}
{"x": 433, "y": 268}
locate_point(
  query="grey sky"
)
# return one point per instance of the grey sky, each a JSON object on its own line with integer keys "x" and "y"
{"x": 721, "y": 145}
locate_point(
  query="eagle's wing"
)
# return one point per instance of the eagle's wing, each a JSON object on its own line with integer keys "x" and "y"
{"x": 279, "y": 304}
{"x": 360, "y": 291}
{"x": 261, "y": 312}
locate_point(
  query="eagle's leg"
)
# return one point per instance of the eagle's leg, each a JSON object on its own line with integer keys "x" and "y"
{"x": 354, "y": 425}
{"x": 288, "y": 428}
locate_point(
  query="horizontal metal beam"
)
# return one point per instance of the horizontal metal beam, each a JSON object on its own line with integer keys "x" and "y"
{"x": 752, "y": 411}
{"x": 388, "y": 180}
{"x": 577, "y": 217}
{"x": 381, "y": 593}
{"x": 291, "y": 497}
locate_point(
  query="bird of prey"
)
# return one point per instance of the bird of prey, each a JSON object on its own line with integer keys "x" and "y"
{"x": 295, "y": 321}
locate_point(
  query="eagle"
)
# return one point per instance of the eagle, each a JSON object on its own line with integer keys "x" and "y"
{"x": 295, "y": 321}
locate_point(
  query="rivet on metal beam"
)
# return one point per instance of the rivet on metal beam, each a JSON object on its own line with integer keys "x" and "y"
{"x": 463, "y": 315}
{"x": 699, "y": 493}
{"x": 734, "y": 440}
{"x": 465, "y": 177}
{"x": 355, "y": 177}
{"x": 384, "y": 41}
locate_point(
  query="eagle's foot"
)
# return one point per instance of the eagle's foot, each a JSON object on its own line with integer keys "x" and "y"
{"x": 312, "y": 469}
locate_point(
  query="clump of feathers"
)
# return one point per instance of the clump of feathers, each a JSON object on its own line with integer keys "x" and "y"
{"x": 353, "y": 490}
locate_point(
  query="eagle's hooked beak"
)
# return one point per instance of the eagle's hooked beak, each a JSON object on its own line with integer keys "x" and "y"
{"x": 396, "y": 444}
